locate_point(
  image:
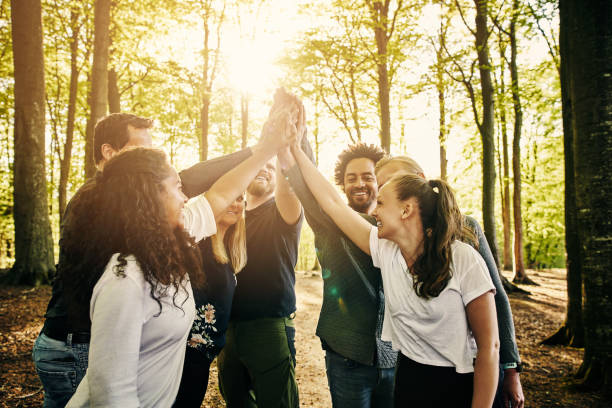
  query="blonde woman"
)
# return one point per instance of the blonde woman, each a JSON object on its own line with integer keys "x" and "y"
{"x": 223, "y": 255}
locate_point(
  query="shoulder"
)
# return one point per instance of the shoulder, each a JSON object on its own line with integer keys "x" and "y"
{"x": 471, "y": 221}
{"x": 464, "y": 255}
{"x": 121, "y": 268}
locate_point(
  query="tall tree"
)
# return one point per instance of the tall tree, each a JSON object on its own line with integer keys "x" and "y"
{"x": 589, "y": 34}
{"x": 98, "y": 99}
{"x": 213, "y": 16}
{"x": 519, "y": 263}
{"x": 487, "y": 126}
{"x": 504, "y": 165}
{"x": 33, "y": 242}
{"x": 486, "y": 123}
{"x": 383, "y": 20}
{"x": 571, "y": 332}
{"x": 441, "y": 88}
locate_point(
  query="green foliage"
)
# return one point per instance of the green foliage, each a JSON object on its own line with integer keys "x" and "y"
{"x": 157, "y": 53}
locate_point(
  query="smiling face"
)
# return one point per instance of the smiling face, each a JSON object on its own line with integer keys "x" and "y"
{"x": 388, "y": 212}
{"x": 265, "y": 181}
{"x": 173, "y": 199}
{"x": 360, "y": 184}
{"x": 233, "y": 212}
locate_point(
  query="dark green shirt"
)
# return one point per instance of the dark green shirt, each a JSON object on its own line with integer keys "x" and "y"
{"x": 351, "y": 284}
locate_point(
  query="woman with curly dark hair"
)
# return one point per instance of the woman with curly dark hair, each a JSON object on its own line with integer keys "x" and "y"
{"x": 140, "y": 249}
{"x": 438, "y": 293}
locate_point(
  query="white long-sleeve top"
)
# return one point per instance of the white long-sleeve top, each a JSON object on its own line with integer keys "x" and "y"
{"x": 136, "y": 353}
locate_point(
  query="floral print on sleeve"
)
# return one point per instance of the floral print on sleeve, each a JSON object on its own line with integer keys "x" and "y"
{"x": 203, "y": 326}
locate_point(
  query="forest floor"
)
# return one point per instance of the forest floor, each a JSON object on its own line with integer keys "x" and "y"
{"x": 548, "y": 369}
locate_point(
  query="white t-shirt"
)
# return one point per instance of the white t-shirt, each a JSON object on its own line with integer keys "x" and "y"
{"x": 431, "y": 331}
{"x": 136, "y": 356}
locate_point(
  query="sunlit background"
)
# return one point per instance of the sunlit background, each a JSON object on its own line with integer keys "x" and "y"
{"x": 157, "y": 52}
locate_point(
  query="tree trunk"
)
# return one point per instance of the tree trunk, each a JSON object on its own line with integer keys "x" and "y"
{"x": 114, "y": 98}
{"x": 99, "y": 78}
{"x": 380, "y": 11}
{"x": 441, "y": 87}
{"x": 520, "y": 276}
{"x": 34, "y": 263}
{"x": 204, "y": 127}
{"x": 505, "y": 167}
{"x": 244, "y": 117}
{"x": 72, "y": 98}
{"x": 590, "y": 35}
{"x": 571, "y": 332}
{"x": 487, "y": 128}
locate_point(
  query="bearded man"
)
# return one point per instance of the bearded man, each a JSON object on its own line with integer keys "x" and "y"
{"x": 257, "y": 364}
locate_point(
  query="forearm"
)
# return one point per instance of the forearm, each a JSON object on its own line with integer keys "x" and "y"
{"x": 322, "y": 190}
{"x": 315, "y": 216}
{"x": 486, "y": 372}
{"x": 287, "y": 201}
{"x": 349, "y": 221}
{"x": 234, "y": 182}
{"x": 200, "y": 177}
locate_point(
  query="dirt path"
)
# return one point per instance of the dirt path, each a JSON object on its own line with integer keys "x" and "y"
{"x": 547, "y": 369}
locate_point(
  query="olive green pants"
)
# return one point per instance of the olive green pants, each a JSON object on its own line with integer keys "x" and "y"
{"x": 257, "y": 364}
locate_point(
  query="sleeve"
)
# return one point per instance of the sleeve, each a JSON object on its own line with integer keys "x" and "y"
{"x": 316, "y": 217}
{"x": 470, "y": 268}
{"x": 375, "y": 247}
{"x": 508, "y": 349}
{"x": 199, "y": 218}
{"x": 200, "y": 177}
{"x": 117, "y": 317}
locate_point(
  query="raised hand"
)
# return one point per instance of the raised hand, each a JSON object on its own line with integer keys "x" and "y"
{"x": 279, "y": 131}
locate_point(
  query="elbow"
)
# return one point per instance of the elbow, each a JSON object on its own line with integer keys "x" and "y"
{"x": 490, "y": 350}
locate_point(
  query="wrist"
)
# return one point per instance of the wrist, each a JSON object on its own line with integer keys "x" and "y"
{"x": 512, "y": 368}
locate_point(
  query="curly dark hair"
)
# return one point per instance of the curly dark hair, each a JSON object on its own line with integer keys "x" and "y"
{"x": 352, "y": 152}
{"x": 442, "y": 224}
{"x": 113, "y": 130}
{"x": 122, "y": 212}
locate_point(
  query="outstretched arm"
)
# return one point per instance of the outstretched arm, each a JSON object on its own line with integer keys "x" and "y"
{"x": 201, "y": 176}
{"x": 278, "y": 132}
{"x": 348, "y": 220}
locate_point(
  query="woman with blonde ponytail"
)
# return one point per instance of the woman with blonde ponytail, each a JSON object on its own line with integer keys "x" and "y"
{"x": 439, "y": 307}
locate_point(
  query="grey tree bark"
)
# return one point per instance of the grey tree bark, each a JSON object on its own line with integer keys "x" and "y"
{"x": 98, "y": 98}
{"x": 586, "y": 23}
{"x": 34, "y": 263}
{"x": 487, "y": 127}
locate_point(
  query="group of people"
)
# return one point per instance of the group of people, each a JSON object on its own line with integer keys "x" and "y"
{"x": 162, "y": 272}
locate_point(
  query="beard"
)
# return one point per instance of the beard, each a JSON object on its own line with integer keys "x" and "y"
{"x": 258, "y": 189}
{"x": 362, "y": 203}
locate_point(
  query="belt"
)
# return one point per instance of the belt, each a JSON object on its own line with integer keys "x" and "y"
{"x": 61, "y": 335}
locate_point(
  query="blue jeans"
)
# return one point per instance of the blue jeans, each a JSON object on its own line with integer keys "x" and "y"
{"x": 354, "y": 385}
{"x": 60, "y": 366}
